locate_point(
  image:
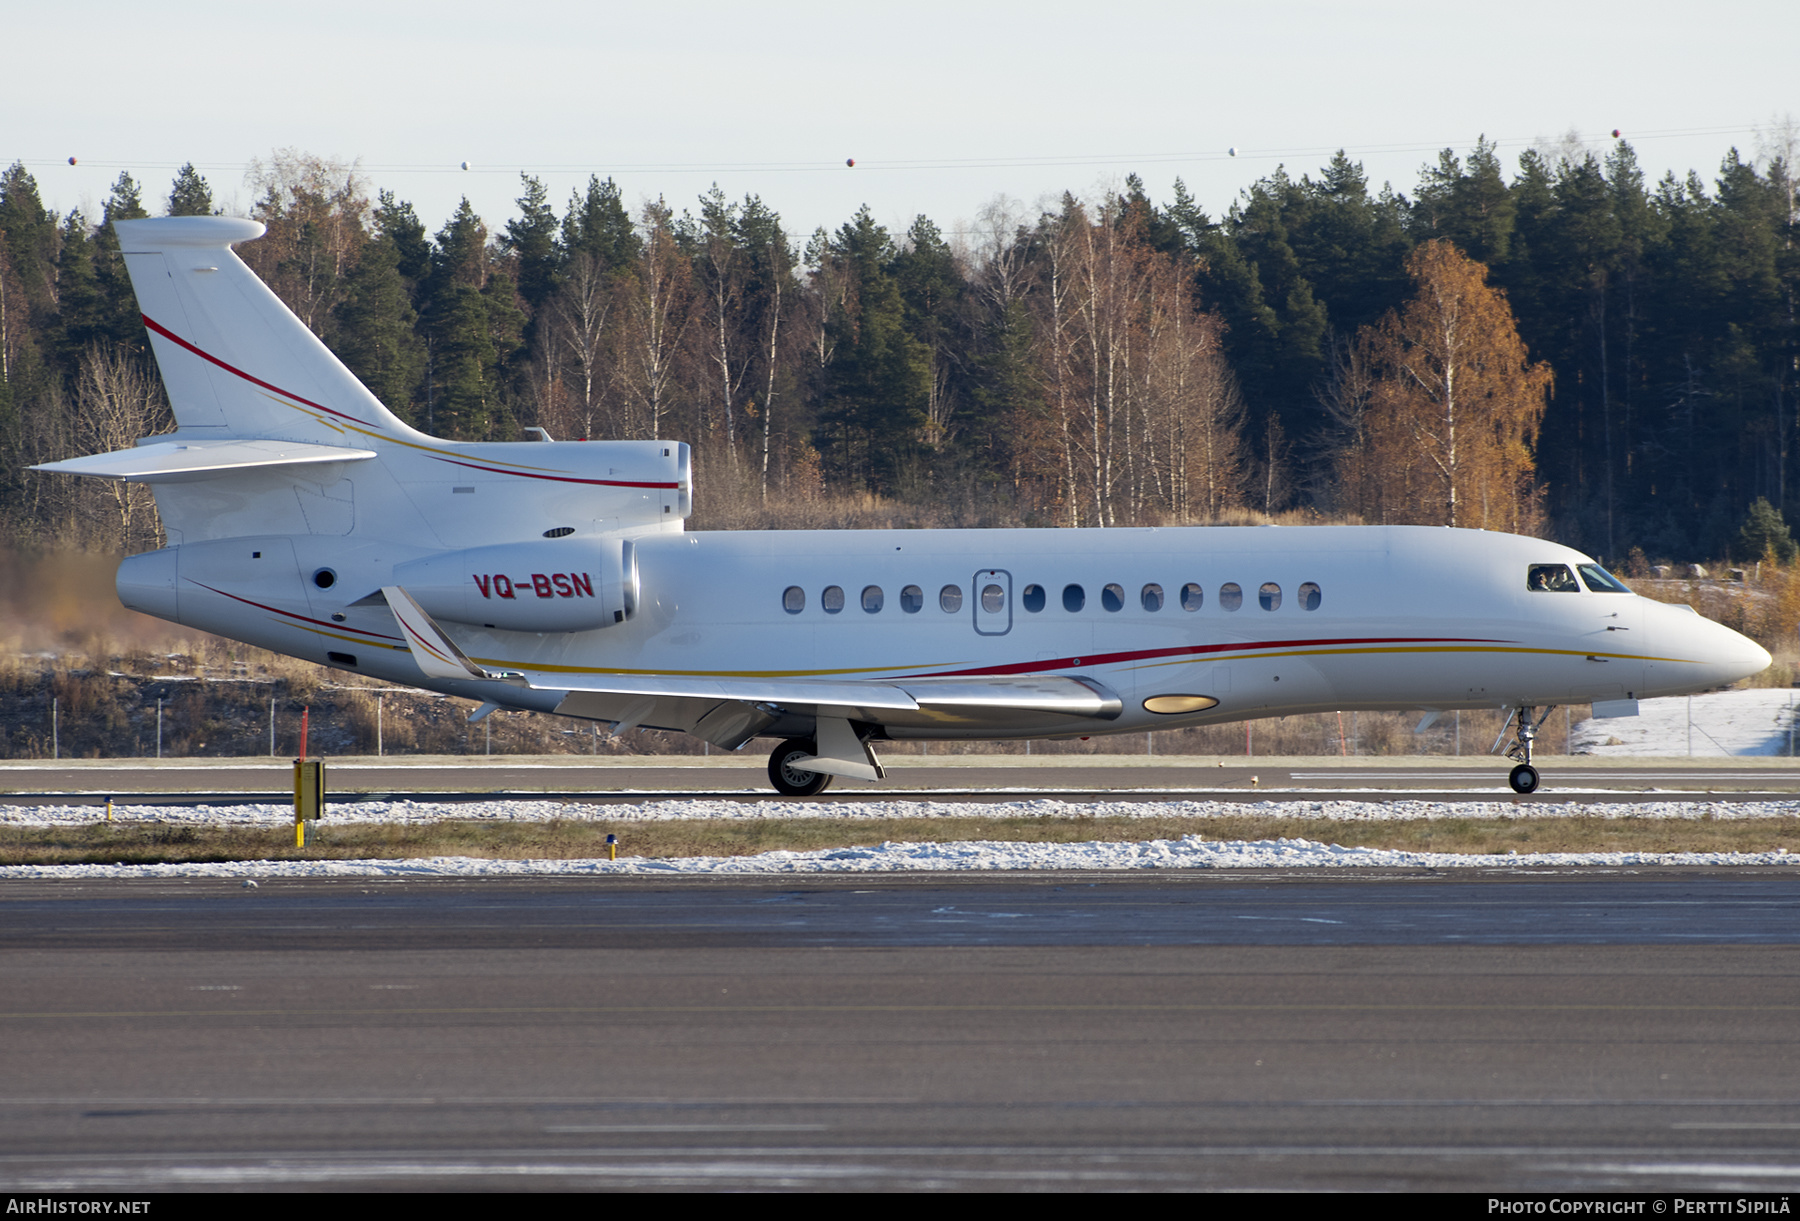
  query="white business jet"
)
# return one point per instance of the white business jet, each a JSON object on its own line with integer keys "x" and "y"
{"x": 304, "y": 517}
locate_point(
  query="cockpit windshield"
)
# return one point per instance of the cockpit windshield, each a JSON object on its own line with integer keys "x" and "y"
{"x": 1601, "y": 581}
{"x": 1551, "y": 578}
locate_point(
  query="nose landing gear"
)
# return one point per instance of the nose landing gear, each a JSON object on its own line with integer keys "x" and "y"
{"x": 1524, "y": 777}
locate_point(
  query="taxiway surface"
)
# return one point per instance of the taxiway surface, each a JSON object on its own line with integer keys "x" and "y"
{"x": 1565, "y": 1030}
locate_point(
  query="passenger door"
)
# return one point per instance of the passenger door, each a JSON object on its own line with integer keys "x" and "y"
{"x": 993, "y": 602}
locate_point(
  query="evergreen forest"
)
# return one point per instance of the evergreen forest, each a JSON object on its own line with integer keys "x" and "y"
{"x": 1556, "y": 347}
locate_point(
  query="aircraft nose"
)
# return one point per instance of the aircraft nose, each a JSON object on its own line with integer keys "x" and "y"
{"x": 1728, "y": 656}
{"x": 1743, "y": 656}
{"x": 1690, "y": 653}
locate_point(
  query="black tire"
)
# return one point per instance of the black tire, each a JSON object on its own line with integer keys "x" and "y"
{"x": 790, "y": 782}
{"x": 1524, "y": 778}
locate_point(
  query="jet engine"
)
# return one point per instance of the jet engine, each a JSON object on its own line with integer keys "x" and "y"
{"x": 560, "y": 585}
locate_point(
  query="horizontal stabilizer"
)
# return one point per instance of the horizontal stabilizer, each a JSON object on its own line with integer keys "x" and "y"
{"x": 183, "y": 461}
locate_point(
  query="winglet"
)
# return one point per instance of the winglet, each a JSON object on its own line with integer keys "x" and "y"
{"x": 435, "y": 653}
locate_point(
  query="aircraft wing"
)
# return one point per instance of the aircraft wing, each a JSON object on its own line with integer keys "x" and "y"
{"x": 729, "y": 711}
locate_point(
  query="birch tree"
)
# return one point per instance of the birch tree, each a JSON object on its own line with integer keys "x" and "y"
{"x": 1456, "y": 404}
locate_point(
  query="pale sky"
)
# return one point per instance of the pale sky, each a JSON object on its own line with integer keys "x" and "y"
{"x": 943, "y": 106}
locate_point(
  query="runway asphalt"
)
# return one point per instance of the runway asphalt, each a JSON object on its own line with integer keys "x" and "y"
{"x": 957, "y": 777}
{"x": 1565, "y": 1030}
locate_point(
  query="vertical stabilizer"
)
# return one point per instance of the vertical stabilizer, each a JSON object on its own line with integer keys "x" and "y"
{"x": 236, "y": 361}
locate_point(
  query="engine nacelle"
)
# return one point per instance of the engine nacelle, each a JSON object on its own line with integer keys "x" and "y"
{"x": 564, "y": 585}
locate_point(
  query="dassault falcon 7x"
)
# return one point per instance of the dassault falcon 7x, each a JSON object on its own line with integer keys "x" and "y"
{"x": 304, "y": 517}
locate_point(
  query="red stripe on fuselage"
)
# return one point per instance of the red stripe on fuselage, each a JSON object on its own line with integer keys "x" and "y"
{"x": 1109, "y": 659}
{"x": 605, "y": 483}
{"x": 336, "y": 627}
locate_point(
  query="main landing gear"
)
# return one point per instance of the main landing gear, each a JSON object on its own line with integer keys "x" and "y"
{"x": 1524, "y": 777}
{"x": 791, "y": 781}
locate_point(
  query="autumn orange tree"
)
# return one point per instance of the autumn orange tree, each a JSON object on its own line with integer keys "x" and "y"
{"x": 1447, "y": 419}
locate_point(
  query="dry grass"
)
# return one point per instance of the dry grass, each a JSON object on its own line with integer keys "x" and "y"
{"x": 140, "y": 844}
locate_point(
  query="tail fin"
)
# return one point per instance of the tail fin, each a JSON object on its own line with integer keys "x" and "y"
{"x": 236, "y": 361}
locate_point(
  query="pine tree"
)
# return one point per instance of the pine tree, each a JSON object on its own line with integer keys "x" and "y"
{"x": 398, "y": 225}
{"x": 462, "y": 375}
{"x": 29, "y": 230}
{"x": 1764, "y": 533}
{"x": 931, "y": 292}
{"x": 190, "y": 195}
{"x": 462, "y": 366}
{"x": 878, "y": 382}
{"x": 531, "y": 238}
{"x": 123, "y": 324}
{"x": 598, "y": 225}
{"x": 82, "y": 317}
{"x": 375, "y": 325}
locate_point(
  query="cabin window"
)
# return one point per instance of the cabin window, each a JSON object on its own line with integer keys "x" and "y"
{"x": 872, "y": 598}
{"x": 1269, "y": 596}
{"x": 993, "y": 599}
{"x": 950, "y": 598}
{"x": 1601, "y": 581}
{"x": 793, "y": 600}
{"x": 912, "y": 599}
{"x": 1231, "y": 596}
{"x": 1074, "y": 598}
{"x": 1113, "y": 597}
{"x": 1192, "y": 597}
{"x": 1311, "y": 596}
{"x": 1034, "y": 598}
{"x": 1551, "y": 578}
{"x": 832, "y": 600}
{"x": 1152, "y": 598}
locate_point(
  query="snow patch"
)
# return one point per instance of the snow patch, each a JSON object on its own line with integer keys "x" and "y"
{"x": 1188, "y": 852}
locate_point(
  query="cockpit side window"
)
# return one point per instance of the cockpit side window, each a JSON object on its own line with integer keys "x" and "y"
{"x": 1551, "y": 578}
{"x": 1601, "y": 581}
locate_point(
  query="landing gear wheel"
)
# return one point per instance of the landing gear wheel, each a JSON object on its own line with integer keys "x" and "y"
{"x": 1524, "y": 778}
{"x": 791, "y": 781}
